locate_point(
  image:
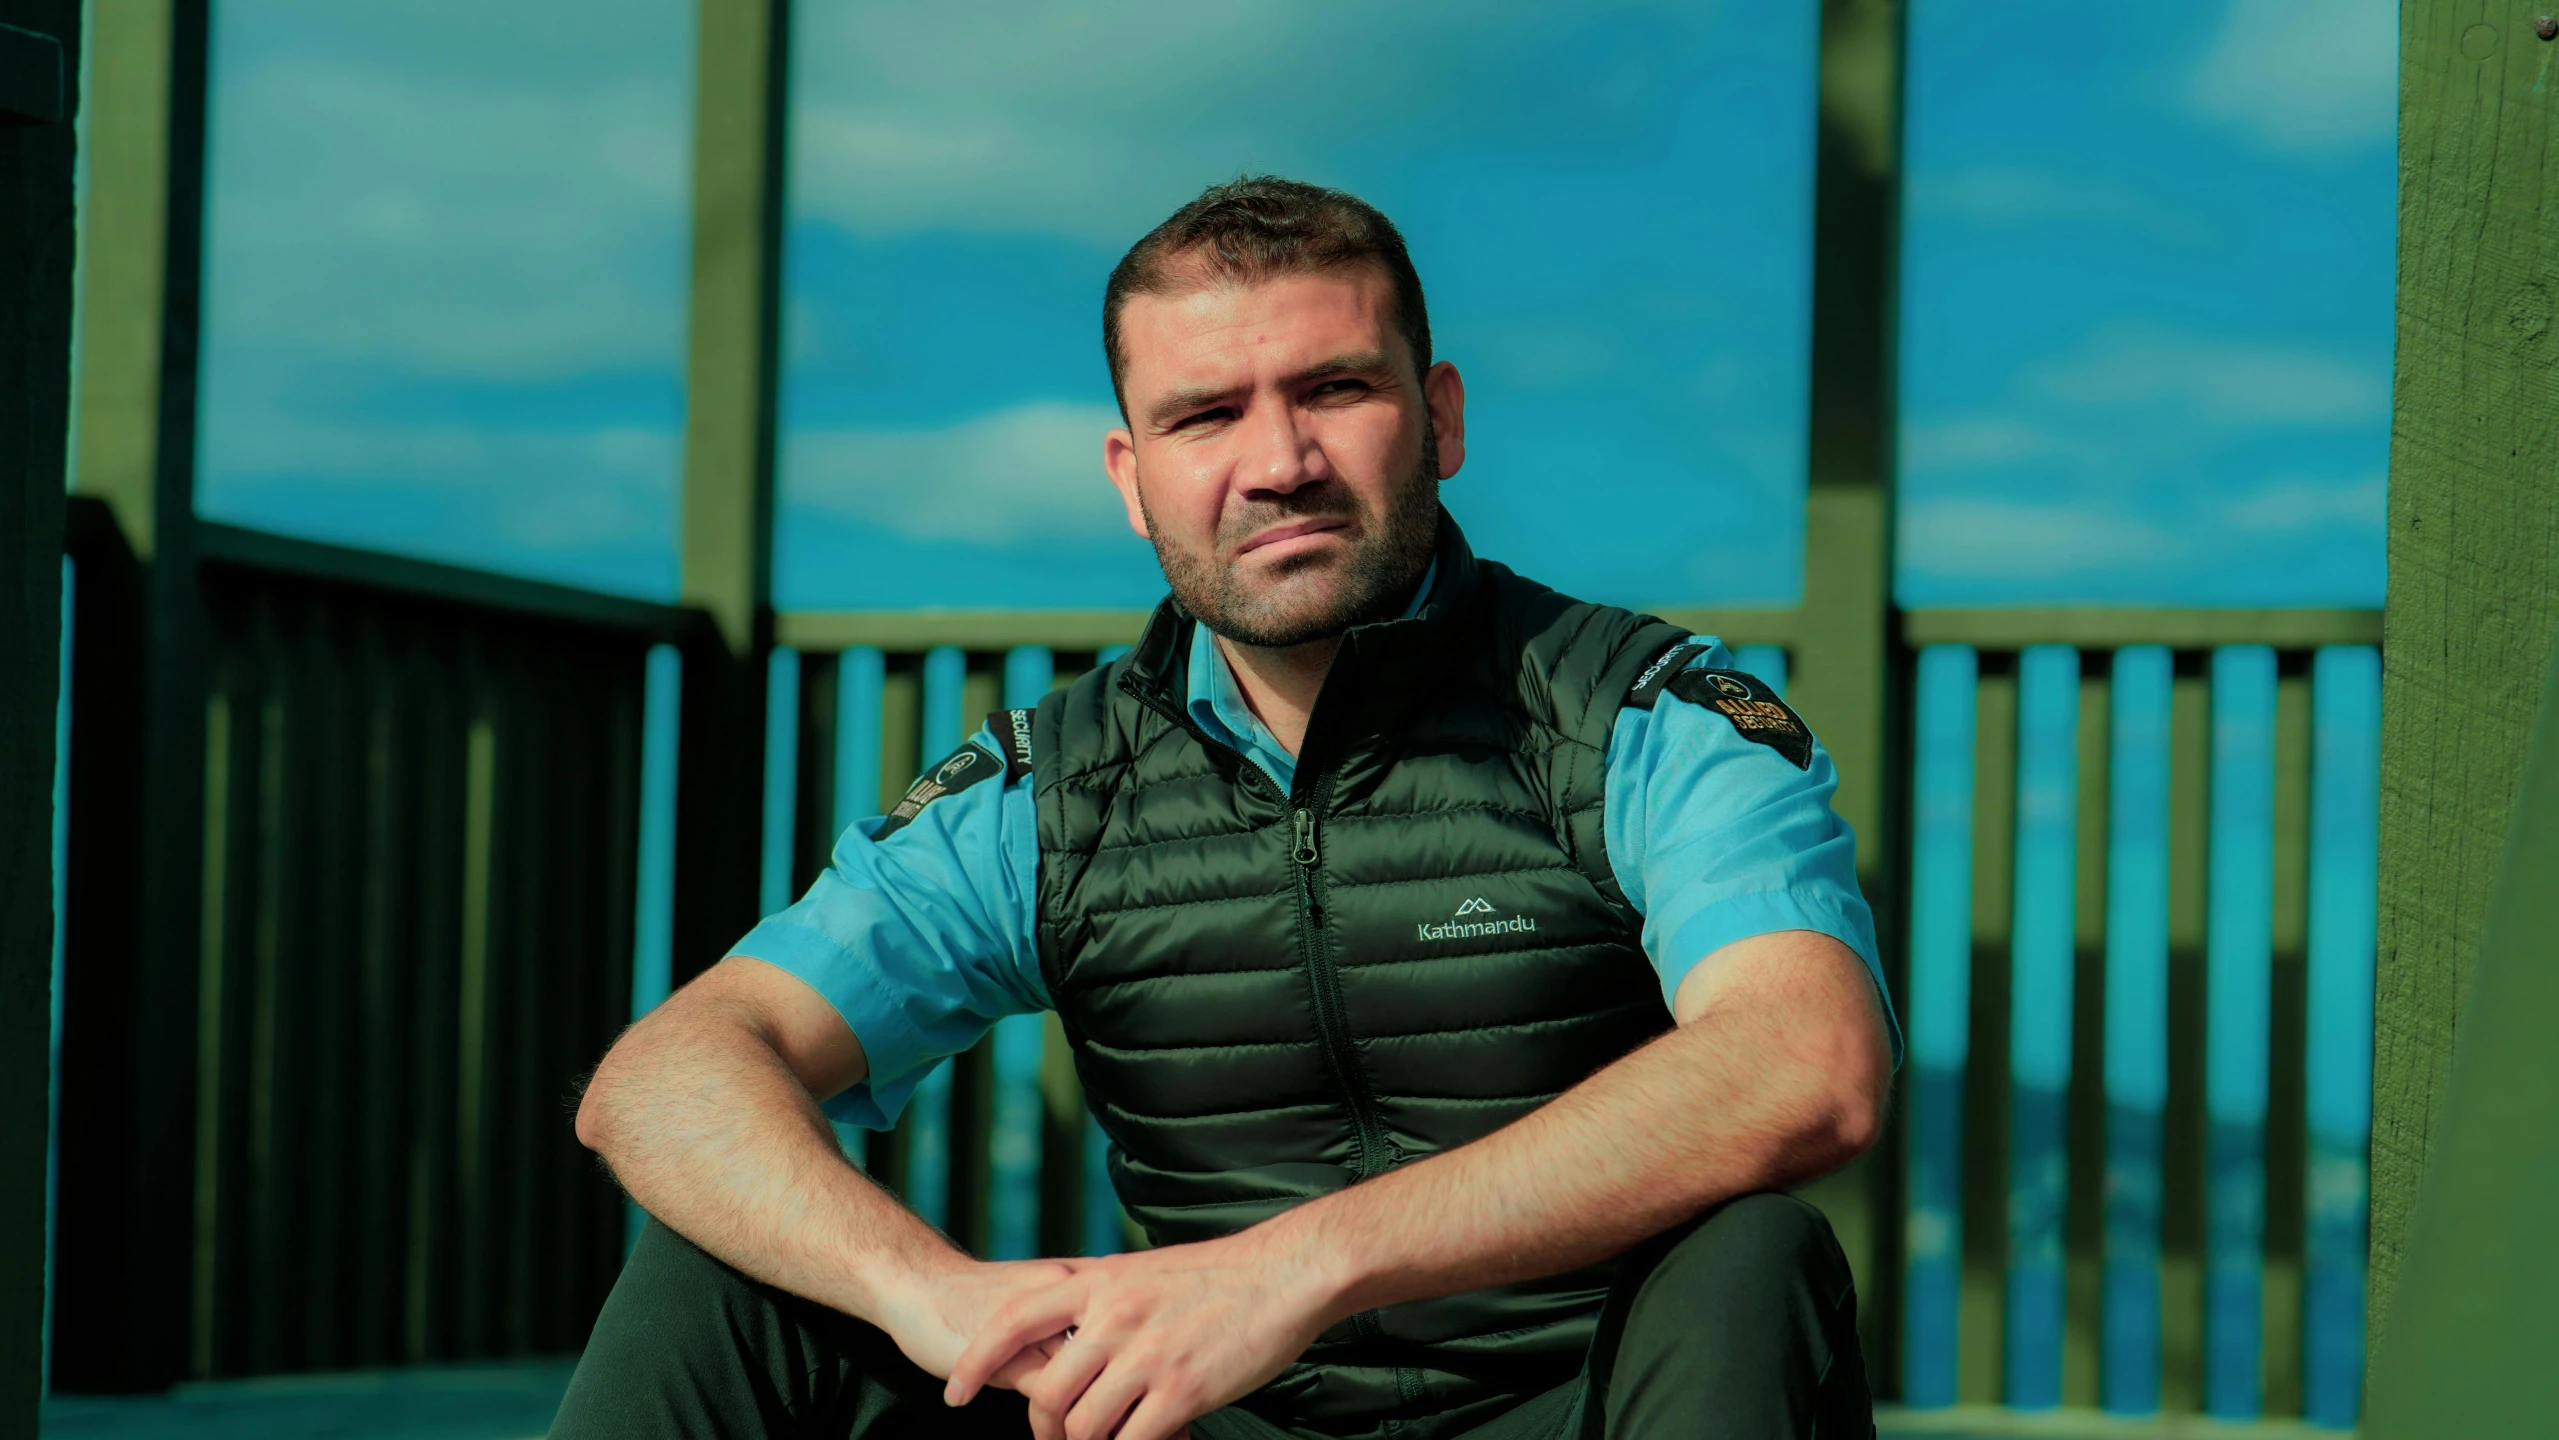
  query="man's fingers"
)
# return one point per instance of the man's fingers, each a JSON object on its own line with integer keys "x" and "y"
{"x": 1105, "y": 1403}
{"x": 1073, "y": 1362}
{"x": 1155, "y": 1418}
{"x": 1033, "y": 1318}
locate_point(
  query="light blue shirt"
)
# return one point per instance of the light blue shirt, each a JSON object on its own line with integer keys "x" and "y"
{"x": 925, "y": 938}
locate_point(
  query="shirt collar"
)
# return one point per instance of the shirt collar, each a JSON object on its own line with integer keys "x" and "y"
{"x": 1217, "y": 702}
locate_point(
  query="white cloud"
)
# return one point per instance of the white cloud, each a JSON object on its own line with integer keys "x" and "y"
{"x": 2297, "y": 502}
{"x": 470, "y": 189}
{"x": 1974, "y": 441}
{"x": 1033, "y": 471}
{"x": 2003, "y": 195}
{"x": 2132, "y": 363}
{"x": 2304, "y": 76}
{"x": 2025, "y": 540}
{"x": 1094, "y": 120}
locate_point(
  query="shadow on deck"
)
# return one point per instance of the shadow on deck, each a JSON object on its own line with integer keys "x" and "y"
{"x": 515, "y": 1402}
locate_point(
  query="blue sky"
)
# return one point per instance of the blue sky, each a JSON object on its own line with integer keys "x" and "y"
{"x": 2146, "y": 317}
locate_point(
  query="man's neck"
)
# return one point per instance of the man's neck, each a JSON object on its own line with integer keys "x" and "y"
{"x": 1280, "y": 684}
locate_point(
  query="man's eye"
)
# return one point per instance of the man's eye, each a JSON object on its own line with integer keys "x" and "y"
{"x": 1341, "y": 387}
{"x": 1204, "y": 417}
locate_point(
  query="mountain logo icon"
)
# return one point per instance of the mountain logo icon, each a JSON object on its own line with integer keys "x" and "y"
{"x": 1476, "y": 907}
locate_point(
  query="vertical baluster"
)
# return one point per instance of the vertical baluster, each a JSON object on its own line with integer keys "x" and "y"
{"x": 2345, "y": 804}
{"x": 1768, "y": 662}
{"x": 2136, "y": 1024}
{"x": 860, "y": 679}
{"x": 1014, "y": 1146}
{"x": 2238, "y": 977}
{"x": 653, "y": 926}
{"x": 2041, "y": 959}
{"x": 61, "y": 906}
{"x": 1103, "y": 1232}
{"x": 781, "y": 777}
{"x": 928, "y": 1155}
{"x": 1941, "y": 961}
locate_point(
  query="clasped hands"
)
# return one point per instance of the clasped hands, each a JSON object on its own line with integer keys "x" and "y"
{"x": 1131, "y": 1346}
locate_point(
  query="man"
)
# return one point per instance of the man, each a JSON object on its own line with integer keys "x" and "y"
{"x": 1457, "y": 969}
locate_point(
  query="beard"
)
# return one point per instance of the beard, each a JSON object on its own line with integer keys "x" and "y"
{"x": 1372, "y": 582}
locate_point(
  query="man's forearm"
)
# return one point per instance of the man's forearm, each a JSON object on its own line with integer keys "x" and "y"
{"x": 1732, "y": 1102}
{"x": 724, "y": 1145}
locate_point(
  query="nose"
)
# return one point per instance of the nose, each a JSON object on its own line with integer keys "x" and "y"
{"x": 1280, "y": 455}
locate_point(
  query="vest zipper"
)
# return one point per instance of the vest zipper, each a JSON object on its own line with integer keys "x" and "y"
{"x": 1325, "y": 981}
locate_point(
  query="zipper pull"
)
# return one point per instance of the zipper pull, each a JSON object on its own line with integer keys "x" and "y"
{"x": 1305, "y": 852}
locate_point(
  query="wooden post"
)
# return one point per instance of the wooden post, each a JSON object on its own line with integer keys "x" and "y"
{"x": 132, "y": 921}
{"x": 2474, "y": 520}
{"x": 2468, "y": 1347}
{"x": 39, "y": 70}
{"x": 1848, "y": 666}
{"x": 742, "y": 64}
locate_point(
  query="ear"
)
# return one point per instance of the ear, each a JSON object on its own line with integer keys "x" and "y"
{"x": 1119, "y": 461}
{"x": 1444, "y": 391}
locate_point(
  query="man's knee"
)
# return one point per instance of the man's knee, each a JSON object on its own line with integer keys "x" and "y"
{"x": 1763, "y": 1245}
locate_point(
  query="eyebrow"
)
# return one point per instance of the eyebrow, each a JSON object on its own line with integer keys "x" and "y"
{"x": 1181, "y": 402}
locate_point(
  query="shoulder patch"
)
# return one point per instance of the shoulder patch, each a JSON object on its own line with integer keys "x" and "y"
{"x": 1655, "y": 677}
{"x": 955, "y": 772}
{"x": 1013, "y": 727}
{"x": 1753, "y": 708}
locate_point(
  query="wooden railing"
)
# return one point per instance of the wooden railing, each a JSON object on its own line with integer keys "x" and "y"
{"x": 441, "y": 869}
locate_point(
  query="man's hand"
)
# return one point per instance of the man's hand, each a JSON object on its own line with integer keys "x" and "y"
{"x": 932, "y": 1321}
{"x": 1161, "y": 1337}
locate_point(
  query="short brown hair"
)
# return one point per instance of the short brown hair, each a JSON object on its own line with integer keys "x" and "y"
{"x": 1256, "y": 226}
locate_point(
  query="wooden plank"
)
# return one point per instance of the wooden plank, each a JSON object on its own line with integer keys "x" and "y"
{"x": 2337, "y": 1050}
{"x": 2466, "y": 1350}
{"x": 2473, "y": 523}
{"x": 2097, "y": 627}
{"x": 2042, "y": 961}
{"x": 1986, "y": 1078}
{"x": 2239, "y": 958}
{"x": 36, "y": 264}
{"x": 484, "y": 589}
{"x": 968, "y": 629}
{"x": 1939, "y": 1004}
{"x": 741, "y": 62}
{"x": 2136, "y": 1045}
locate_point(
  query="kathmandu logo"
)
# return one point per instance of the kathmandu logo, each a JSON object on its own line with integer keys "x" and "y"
{"x": 1461, "y": 928}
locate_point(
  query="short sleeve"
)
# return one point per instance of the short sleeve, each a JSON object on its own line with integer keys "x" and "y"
{"x": 920, "y": 934}
{"x": 1716, "y": 836}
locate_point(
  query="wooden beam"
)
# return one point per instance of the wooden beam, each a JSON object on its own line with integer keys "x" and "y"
{"x": 2467, "y": 1352}
{"x": 37, "y": 246}
{"x": 1846, "y": 670}
{"x": 727, "y": 546}
{"x": 133, "y": 916}
{"x": 741, "y": 52}
{"x": 2474, "y": 521}
{"x": 2096, "y": 627}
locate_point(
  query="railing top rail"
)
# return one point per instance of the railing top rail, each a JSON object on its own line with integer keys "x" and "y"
{"x": 234, "y": 545}
{"x": 2100, "y": 627}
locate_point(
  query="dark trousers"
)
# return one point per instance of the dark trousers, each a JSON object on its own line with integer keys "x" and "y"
{"x": 1741, "y": 1324}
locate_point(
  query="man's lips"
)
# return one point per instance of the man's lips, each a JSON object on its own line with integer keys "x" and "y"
{"x": 1294, "y": 530}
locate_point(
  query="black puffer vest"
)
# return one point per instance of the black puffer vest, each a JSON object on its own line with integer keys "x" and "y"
{"x": 1272, "y": 996}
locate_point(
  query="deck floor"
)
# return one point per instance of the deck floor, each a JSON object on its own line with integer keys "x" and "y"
{"x": 515, "y": 1401}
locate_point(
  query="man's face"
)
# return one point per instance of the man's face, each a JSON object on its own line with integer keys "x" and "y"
{"x": 1280, "y": 454}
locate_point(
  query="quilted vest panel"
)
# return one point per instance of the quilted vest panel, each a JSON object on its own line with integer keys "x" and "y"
{"x": 1272, "y": 996}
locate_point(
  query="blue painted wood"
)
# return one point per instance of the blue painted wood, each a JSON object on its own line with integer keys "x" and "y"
{"x": 2136, "y": 1024}
{"x": 1768, "y": 662}
{"x": 2238, "y": 975}
{"x": 2041, "y": 961}
{"x": 653, "y": 891}
{"x": 928, "y": 1147}
{"x": 653, "y": 918}
{"x": 1941, "y": 959}
{"x": 1103, "y": 1234}
{"x": 774, "y": 887}
{"x": 946, "y": 669}
{"x": 1013, "y": 1137}
{"x": 2345, "y": 826}
{"x": 861, "y": 673}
